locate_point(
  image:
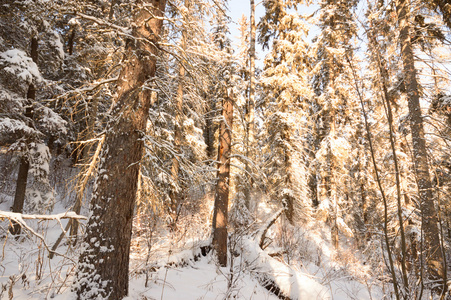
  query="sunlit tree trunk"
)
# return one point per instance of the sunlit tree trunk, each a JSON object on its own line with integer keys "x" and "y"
{"x": 434, "y": 258}
{"x": 251, "y": 101}
{"x": 104, "y": 263}
{"x": 220, "y": 213}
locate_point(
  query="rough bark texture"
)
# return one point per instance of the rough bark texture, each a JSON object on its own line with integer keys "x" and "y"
{"x": 24, "y": 166}
{"x": 103, "y": 266}
{"x": 435, "y": 262}
{"x": 220, "y": 213}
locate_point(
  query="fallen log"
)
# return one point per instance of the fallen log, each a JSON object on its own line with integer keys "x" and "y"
{"x": 276, "y": 276}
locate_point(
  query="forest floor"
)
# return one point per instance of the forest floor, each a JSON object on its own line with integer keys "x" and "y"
{"x": 174, "y": 267}
{"x": 169, "y": 265}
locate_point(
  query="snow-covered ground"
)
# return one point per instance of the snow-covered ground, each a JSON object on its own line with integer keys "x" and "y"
{"x": 174, "y": 266}
{"x": 26, "y": 272}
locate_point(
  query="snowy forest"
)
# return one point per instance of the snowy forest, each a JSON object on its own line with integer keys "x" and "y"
{"x": 146, "y": 152}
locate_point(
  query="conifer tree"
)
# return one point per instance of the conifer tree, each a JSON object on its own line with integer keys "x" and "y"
{"x": 434, "y": 257}
{"x": 27, "y": 123}
{"x": 109, "y": 227}
{"x": 227, "y": 98}
{"x": 285, "y": 83}
{"x": 333, "y": 109}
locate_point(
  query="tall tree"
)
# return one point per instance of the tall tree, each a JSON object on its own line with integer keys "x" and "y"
{"x": 103, "y": 265}
{"x": 435, "y": 261}
{"x": 220, "y": 213}
{"x": 175, "y": 194}
{"x": 27, "y": 124}
{"x": 24, "y": 166}
{"x": 332, "y": 111}
{"x": 285, "y": 83}
{"x": 250, "y": 109}
{"x": 226, "y": 95}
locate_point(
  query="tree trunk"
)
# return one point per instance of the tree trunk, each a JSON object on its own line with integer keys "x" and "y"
{"x": 174, "y": 194}
{"x": 210, "y": 126}
{"x": 24, "y": 166}
{"x": 288, "y": 199}
{"x": 435, "y": 261}
{"x": 251, "y": 103}
{"x": 379, "y": 184}
{"x": 104, "y": 264}
{"x": 220, "y": 213}
{"x": 317, "y": 135}
{"x": 19, "y": 197}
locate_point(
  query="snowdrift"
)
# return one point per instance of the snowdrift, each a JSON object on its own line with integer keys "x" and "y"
{"x": 283, "y": 280}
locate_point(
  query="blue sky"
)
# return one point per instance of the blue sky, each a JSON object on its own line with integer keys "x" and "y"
{"x": 236, "y": 9}
{"x": 239, "y": 7}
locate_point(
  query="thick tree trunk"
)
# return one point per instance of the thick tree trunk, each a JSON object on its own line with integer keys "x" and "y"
{"x": 103, "y": 266}
{"x": 220, "y": 213}
{"x": 24, "y": 166}
{"x": 435, "y": 261}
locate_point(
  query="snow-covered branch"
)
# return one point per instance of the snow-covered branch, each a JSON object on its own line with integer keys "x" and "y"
{"x": 89, "y": 88}
{"x": 19, "y": 217}
{"x": 103, "y": 22}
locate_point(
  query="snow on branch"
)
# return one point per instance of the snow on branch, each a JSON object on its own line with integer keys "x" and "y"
{"x": 19, "y": 219}
{"x": 261, "y": 234}
{"x": 103, "y": 22}
{"x": 18, "y": 216}
{"x": 92, "y": 86}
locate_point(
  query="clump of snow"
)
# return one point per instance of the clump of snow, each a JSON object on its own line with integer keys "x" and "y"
{"x": 194, "y": 137}
{"x": 344, "y": 228}
{"x": 50, "y": 121}
{"x": 39, "y": 160}
{"x": 335, "y": 145}
{"x": 17, "y": 62}
{"x": 55, "y": 42}
{"x": 202, "y": 281}
{"x": 10, "y": 126}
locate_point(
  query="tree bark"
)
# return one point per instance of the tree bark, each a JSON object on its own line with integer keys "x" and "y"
{"x": 251, "y": 102}
{"x": 19, "y": 197}
{"x": 24, "y": 166}
{"x": 104, "y": 263}
{"x": 220, "y": 213}
{"x": 210, "y": 128}
{"x": 174, "y": 194}
{"x": 435, "y": 261}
